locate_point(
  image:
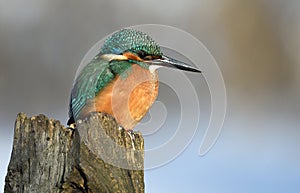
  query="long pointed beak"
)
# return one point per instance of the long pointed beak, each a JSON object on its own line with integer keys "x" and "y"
{"x": 172, "y": 63}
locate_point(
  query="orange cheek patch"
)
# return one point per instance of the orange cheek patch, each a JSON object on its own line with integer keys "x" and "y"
{"x": 131, "y": 56}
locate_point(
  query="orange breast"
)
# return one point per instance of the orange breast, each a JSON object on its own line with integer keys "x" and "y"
{"x": 127, "y": 99}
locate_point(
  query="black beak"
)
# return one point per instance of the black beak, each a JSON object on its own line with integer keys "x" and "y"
{"x": 172, "y": 63}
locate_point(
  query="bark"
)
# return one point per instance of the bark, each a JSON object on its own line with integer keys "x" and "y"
{"x": 97, "y": 156}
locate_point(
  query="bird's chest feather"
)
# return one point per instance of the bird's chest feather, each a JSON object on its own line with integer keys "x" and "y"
{"x": 128, "y": 98}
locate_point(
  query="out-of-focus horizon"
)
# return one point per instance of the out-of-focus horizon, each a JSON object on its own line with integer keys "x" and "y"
{"x": 255, "y": 43}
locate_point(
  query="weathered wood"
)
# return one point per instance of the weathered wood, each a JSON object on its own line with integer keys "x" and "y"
{"x": 47, "y": 157}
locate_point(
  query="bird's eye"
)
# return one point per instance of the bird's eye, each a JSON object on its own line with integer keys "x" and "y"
{"x": 145, "y": 56}
{"x": 142, "y": 54}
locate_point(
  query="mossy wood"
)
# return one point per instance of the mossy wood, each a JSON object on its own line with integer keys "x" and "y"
{"x": 48, "y": 157}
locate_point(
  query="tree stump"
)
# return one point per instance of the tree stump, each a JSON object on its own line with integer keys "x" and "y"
{"x": 48, "y": 157}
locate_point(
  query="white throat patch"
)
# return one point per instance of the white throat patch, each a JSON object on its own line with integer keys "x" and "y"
{"x": 153, "y": 67}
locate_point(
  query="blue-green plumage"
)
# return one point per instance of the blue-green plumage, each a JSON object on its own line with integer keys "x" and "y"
{"x": 116, "y": 56}
{"x": 91, "y": 79}
{"x": 99, "y": 72}
{"x": 130, "y": 40}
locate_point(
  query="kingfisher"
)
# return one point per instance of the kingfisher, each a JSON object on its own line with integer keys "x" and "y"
{"x": 121, "y": 80}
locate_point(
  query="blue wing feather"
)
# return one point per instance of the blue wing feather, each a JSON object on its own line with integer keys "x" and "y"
{"x": 90, "y": 81}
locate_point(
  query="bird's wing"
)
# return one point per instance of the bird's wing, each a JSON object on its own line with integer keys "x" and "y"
{"x": 90, "y": 81}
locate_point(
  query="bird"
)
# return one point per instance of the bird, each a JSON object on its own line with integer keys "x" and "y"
{"x": 122, "y": 79}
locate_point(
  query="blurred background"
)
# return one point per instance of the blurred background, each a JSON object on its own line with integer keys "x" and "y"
{"x": 255, "y": 43}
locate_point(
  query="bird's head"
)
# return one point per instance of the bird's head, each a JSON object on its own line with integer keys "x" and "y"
{"x": 137, "y": 47}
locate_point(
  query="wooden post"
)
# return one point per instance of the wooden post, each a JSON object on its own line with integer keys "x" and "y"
{"x": 48, "y": 157}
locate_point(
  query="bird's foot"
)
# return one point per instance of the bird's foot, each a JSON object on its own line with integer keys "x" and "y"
{"x": 72, "y": 126}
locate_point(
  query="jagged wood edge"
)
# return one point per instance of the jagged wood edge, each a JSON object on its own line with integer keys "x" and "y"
{"x": 48, "y": 157}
